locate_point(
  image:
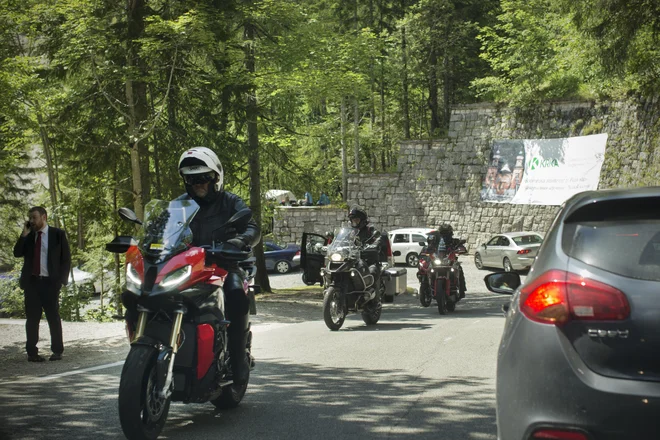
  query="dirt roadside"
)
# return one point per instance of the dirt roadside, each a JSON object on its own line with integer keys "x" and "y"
{"x": 89, "y": 344}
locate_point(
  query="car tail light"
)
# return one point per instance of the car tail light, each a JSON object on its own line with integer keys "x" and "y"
{"x": 297, "y": 254}
{"x": 556, "y": 297}
{"x": 558, "y": 434}
{"x": 523, "y": 251}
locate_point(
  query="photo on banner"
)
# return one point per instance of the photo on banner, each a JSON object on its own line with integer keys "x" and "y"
{"x": 543, "y": 171}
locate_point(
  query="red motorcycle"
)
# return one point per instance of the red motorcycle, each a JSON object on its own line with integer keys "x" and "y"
{"x": 179, "y": 348}
{"x": 439, "y": 275}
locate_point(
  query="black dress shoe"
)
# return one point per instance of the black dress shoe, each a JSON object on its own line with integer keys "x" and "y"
{"x": 55, "y": 357}
{"x": 36, "y": 358}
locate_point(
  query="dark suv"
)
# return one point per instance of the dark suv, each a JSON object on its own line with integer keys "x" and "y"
{"x": 580, "y": 353}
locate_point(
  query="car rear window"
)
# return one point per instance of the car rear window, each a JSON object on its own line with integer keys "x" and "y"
{"x": 527, "y": 239}
{"x": 626, "y": 247}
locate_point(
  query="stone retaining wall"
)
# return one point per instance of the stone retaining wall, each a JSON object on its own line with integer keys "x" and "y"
{"x": 440, "y": 180}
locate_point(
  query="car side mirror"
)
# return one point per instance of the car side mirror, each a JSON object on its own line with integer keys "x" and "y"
{"x": 503, "y": 282}
{"x": 396, "y": 253}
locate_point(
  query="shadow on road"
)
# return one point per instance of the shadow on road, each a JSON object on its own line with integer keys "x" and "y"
{"x": 284, "y": 401}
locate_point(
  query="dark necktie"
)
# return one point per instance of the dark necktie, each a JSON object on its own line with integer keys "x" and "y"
{"x": 36, "y": 263}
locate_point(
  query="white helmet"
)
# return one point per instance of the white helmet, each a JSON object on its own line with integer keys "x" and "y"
{"x": 199, "y": 160}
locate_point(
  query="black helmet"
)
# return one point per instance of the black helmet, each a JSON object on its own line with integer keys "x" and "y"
{"x": 446, "y": 232}
{"x": 357, "y": 217}
{"x": 446, "y": 229}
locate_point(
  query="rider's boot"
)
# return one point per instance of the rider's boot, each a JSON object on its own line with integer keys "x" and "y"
{"x": 238, "y": 334}
{"x": 461, "y": 281}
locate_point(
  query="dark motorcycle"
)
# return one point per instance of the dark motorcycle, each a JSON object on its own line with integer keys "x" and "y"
{"x": 179, "y": 347}
{"x": 439, "y": 275}
{"x": 349, "y": 285}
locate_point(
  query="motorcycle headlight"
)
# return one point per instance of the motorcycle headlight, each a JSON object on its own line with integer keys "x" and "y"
{"x": 177, "y": 277}
{"x": 437, "y": 262}
{"x": 336, "y": 257}
{"x": 132, "y": 275}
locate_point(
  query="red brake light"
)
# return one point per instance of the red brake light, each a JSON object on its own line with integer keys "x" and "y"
{"x": 556, "y": 297}
{"x": 523, "y": 251}
{"x": 557, "y": 434}
{"x": 297, "y": 254}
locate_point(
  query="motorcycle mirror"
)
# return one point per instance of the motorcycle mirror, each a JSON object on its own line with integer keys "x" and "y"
{"x": 128, "y": 215}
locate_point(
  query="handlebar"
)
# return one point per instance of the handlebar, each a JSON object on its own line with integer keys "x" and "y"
{"x": 226, "y": 252}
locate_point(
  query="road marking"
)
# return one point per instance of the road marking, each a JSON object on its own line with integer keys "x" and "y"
{"x": 74, "y": 372}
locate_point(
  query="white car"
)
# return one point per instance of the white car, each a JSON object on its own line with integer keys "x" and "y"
{"x": 407, "y": 242}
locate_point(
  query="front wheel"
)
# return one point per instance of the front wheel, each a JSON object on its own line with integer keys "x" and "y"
{"x": 478, "y": 262}
{"x": 334, "y": 311}
{"x": 142, "y": 411}
{"x": 441, "y": 297}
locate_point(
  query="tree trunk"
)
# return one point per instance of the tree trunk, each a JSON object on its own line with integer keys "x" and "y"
{"x": 356, "y": 124}
{"x": 433, "y": 91}
{"x": 344, "y": 159}
{"x": 404, "y": 84}
{"x": 446, "y": 89}
{"x": 136, "y": 98}
{"x": 251, "y": 113}
{"x": 45, "y": 143}
{"x": 117, "y": 287}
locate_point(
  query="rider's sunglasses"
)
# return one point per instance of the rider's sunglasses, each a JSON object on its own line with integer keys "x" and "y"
{"x": 199, "y": 179}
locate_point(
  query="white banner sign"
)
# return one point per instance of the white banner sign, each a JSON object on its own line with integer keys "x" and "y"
{"x": 543, "y": 171}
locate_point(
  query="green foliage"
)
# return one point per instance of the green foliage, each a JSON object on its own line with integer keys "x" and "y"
{"x": 12, "y": 303}
{"x": 73, "y": 299}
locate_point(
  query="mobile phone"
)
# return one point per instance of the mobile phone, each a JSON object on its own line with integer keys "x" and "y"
{"x": 27, "y": 224}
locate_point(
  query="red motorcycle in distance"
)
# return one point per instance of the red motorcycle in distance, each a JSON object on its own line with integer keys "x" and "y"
{"x": 179, "y": 347}
{"x": 439, "y": 274}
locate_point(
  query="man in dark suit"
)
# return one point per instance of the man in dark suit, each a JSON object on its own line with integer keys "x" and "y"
{"x": 46, "y": 265}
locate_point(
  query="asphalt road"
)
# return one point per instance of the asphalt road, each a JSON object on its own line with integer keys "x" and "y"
{"x": 415, "y": 375}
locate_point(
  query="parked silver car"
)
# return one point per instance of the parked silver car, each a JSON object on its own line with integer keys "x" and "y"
{"x": 509, "y": 251}
{"x": 580, "y": 352}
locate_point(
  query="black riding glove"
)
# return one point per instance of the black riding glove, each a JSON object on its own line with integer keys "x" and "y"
{"x": 237, "y": 242}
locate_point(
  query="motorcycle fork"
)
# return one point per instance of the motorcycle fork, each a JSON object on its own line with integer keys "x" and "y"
{"x": 174, "y": 347}
{"x": 141, "y": 325}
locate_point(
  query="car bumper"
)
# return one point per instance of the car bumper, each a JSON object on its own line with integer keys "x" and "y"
{"x": 522, "y": 263}
{"x": 541, "y": 382}
{"x": 295, "y": 262}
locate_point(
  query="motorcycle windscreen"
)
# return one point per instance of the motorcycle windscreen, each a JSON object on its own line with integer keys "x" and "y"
{"x": 344, "y": 245}
{"x": 312, "y": 257}
{"x": 166, "y": 228}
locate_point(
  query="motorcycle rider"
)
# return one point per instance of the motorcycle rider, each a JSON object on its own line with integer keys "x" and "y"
{"x": 202, "y": 176}
{"x": 446, "y": 233}
{"x": 370, "y": 237}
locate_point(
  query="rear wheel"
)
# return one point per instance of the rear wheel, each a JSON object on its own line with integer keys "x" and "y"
{"x": 282, "y": 266}
{"x": 231, "y": 396}
{"x": 478, "y": 262}
{"x": 508, "y": 267}
{"x": 372, "y": 311}
{"x": 425, "y": 297}
{"x": 412, "y": 259}
{"x": 142, "y": 411}
{"x": 334, "y": 311}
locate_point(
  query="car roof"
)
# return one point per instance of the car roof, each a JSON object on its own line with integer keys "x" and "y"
{"x": 520, "y": 233}
{"x": 410, "y": 230}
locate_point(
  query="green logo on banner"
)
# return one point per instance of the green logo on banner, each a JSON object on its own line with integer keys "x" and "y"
{"x": 535, "y": 163}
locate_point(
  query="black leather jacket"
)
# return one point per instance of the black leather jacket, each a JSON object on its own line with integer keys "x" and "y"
{"x": 210, "y": 217}
{"x": 370, "y": 236}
